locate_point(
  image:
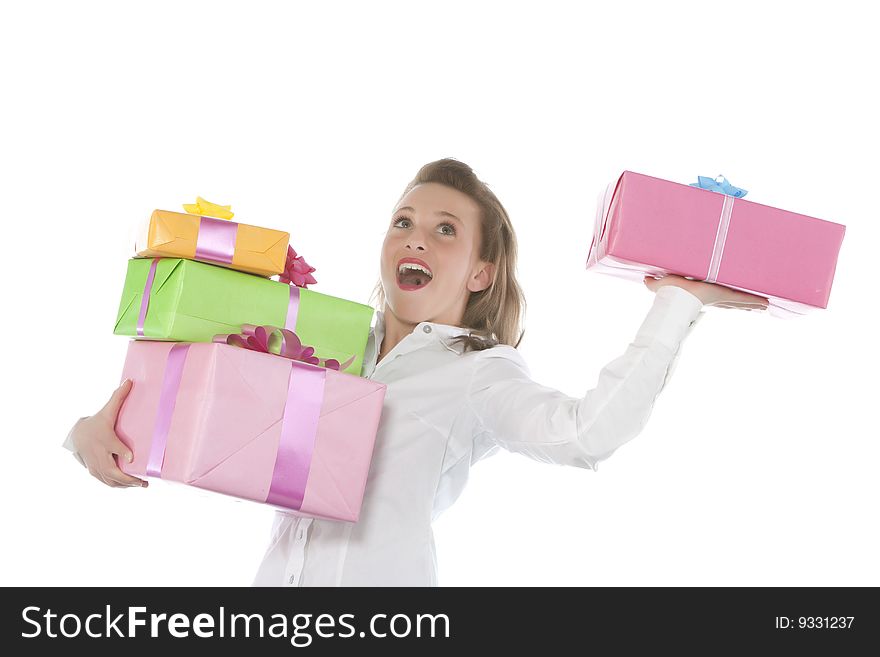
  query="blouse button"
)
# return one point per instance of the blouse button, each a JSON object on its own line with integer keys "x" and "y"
{"x": 427, "y": 329}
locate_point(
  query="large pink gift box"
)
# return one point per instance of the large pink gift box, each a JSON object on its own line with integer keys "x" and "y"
{"x": 252, "y": 425}
{"x": 646, "y": 225}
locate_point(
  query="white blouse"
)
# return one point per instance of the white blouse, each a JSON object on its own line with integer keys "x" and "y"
{"x": 444, "y": 410}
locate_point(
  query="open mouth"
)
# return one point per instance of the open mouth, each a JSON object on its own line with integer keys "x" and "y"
{"x": 413, "y": 274}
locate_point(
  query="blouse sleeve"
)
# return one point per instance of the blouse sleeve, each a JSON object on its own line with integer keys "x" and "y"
{"x": 515, "y": 413}
{"x": 68, "y": 444}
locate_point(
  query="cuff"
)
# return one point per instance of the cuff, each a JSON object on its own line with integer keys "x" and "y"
{"x": 68, "y": 444}
{"x": 674, "y": 313}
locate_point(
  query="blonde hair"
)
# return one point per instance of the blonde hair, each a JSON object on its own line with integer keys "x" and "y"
{"x": 493, "y": 315}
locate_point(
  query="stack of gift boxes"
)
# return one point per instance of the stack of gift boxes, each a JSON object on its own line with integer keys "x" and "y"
{"x": 242, "y": 384}
{"x": 251, "y": 387}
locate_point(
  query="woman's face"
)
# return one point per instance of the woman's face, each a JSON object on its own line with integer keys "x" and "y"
{"x": 438, "y": 227}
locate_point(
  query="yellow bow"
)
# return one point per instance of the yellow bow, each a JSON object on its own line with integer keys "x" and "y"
{"x": 206, "y": 208}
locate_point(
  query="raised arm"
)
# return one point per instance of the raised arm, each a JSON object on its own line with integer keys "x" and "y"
{"x": 520, "y": 415}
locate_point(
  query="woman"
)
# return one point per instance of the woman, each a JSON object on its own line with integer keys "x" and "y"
{"x": 445, "y": 343}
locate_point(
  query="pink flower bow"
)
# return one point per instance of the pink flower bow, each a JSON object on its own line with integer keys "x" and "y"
{"x": 280, "y": 342}
{"x": 297, "y": 271}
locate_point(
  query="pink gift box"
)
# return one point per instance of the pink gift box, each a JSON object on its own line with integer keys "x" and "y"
{"x": 250, "y": 424}
{"x": 646, "y": 225}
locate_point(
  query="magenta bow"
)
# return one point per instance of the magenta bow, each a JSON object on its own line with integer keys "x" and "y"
{"x": 280, "y": 342}
{"x": 296, "y": 270}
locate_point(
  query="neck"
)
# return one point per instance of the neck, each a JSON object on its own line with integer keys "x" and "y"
{"x": 395, "y": 331}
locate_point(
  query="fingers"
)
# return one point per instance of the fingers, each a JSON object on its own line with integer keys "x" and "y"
{"x": 741, "y": 305}
{"x": 730, "y": 298}
{"x": 99, "y": 475}
{"x": 110, "y": 482}
{"x": 111, "y": 408}
{"x": 113, "y": 474}
{"x": 107, "y": 472}
{"x": 116, "y": 446}
{"x": 753, "y": 300}
{"x": 652, "y": 283}
{"x": 119, "y": 480}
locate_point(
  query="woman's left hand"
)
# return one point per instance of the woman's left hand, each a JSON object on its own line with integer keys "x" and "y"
{"x": 711, "y": 294}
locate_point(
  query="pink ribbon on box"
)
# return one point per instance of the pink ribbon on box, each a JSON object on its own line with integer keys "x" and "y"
{"x": 298, "y": 274}
{"x": 296, "y": 270}
{"x": 292, "y": 309}
{"x": 145, "y": 297}
{"x": 299, "y": 428}
{"x": 216, "y": 240}
{"x": 279, "y": 342}
{"x": 216, "y": 237}
{"x": 167, "y": 399}
{"x": 305, "y": 394}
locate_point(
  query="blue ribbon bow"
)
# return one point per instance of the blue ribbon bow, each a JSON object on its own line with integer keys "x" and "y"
{"x": 720, "y": 185}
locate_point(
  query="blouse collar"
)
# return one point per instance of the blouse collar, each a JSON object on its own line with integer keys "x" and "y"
{"x": 443, "y": 332}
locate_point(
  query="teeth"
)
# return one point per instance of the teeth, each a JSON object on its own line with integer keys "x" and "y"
{"x": 412, "y": 265}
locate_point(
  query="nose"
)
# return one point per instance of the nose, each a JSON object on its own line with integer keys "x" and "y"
{"x": 415, "y": 241}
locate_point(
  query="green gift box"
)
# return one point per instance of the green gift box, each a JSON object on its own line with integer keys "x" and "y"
{"x": 191, "y": 301}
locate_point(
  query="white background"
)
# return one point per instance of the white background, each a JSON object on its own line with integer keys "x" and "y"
{"x": 759, "y": 465}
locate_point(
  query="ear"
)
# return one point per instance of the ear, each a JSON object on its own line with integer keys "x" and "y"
{"x": 483, "y": 277}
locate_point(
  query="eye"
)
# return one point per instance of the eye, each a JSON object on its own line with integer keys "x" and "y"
{"x": 449, "y": 226}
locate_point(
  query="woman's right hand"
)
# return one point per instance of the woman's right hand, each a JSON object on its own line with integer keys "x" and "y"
{"x": 96, "y": 442}
{"x": 711, "y": 294}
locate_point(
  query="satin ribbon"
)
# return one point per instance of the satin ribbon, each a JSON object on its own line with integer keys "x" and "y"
{"x": 292, "y": 308}
{"x": 719, "y": 184}
{"x": 296, "y": 270}
{"x": 722, "y": 186}
{"x": 216, "y": 240}
{"x": 299, "y": 429}
{"x": 167, "y": 400}
{"x": 720, "y": 239}
{"x": 305, "y": 394}
{"x": 279, "y": 342}
{"x": 298, "y": 274}
{"x": 145, "y": 297}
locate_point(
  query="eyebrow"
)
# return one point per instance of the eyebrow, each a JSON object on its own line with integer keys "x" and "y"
{"x": 441, "y": 213}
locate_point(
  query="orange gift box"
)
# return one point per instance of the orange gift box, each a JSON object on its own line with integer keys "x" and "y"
{"x": 250, "y": 249}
